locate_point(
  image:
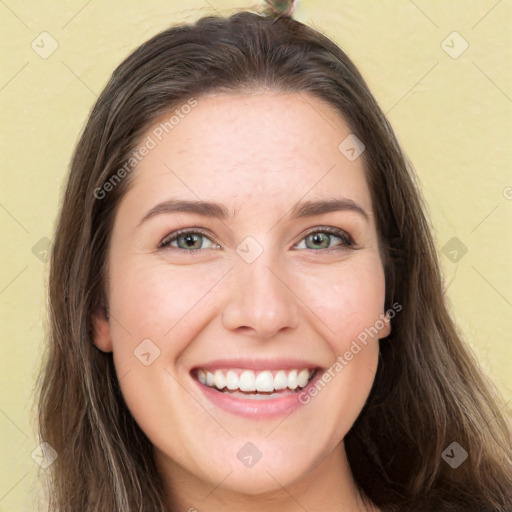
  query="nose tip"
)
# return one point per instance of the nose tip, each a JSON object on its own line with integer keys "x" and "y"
{"x": 260, "y": 301}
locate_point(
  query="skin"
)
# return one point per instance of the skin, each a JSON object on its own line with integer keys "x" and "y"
{"x": 258, "y": 154}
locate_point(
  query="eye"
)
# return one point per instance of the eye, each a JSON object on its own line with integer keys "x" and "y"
{"x": 185, "y": 239}
{"x": 191, "y": 240}
{"x": 321, "y": 238}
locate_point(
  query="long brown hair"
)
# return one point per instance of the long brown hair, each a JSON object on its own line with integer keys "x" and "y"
{"x": 428, "y": 391}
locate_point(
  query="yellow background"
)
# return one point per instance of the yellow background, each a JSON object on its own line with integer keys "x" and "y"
{"x": 452, "y": 116}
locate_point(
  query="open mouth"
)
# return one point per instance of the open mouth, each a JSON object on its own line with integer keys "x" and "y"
{"x": 253, "y": 384}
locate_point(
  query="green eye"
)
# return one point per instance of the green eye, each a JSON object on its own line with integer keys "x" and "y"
{"x": 190, "y": 241}
{"x": 193, "y": 240}
{"x": 321, "y": 239}
{"x": 186, "y": 240}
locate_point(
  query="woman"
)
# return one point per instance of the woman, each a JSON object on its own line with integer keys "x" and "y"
{"x": 247, "y": 311}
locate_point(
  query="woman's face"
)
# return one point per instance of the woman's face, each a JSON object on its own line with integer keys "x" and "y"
{"x": 269, "y": 285}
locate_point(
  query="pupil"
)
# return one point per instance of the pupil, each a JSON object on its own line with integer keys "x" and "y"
{"x": 189, "y": 239}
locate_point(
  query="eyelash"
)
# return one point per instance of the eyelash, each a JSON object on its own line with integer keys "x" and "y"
{"x": 347, "y": 241}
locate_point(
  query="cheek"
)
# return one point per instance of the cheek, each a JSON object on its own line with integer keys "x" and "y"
{"x": 351, "y": 303}
{"x": 348, "y": 299}
{"x": 151, "y": 301}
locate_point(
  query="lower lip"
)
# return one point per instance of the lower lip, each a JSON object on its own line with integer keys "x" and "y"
{"x": 254, "y": 408}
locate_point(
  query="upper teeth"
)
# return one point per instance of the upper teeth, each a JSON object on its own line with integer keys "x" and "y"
{"x": 248, "y": 380}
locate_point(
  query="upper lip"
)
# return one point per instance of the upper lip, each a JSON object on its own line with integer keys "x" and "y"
{"x": 257, "y": 364}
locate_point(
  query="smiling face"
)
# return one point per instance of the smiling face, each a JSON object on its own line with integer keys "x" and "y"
{"x": 264, "y": 283}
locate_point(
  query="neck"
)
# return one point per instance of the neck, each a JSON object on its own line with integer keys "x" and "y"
{"x": 329, "y": 486}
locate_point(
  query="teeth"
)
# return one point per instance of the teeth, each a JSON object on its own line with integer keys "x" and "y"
{"x": 249, "y": 381}
{"x": 292, "y": 379}
{"x": 302, "y": 378}
{"x": 280, "y": 380}
{"x": 232, "y": 381}
{"x": 218, "y": 380}
{"x": 265, "y": 382}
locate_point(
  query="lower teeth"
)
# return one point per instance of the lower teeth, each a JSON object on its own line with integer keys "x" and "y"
{"x": 258, "y": 396}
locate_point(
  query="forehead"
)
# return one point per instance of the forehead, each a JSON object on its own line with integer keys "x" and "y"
{"x": 247, "y": 149}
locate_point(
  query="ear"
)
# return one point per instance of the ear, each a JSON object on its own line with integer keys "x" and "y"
{"x": 101, "y": 329}
{"x": 386, "y": 330}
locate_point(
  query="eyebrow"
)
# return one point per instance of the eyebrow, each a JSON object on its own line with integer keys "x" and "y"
{"x": 301, "y": 210}
{"x": 318, "y": 207}
{"x": 203, "y": 208}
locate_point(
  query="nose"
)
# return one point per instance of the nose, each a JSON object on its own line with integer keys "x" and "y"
{"x": 260, "y": 300}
